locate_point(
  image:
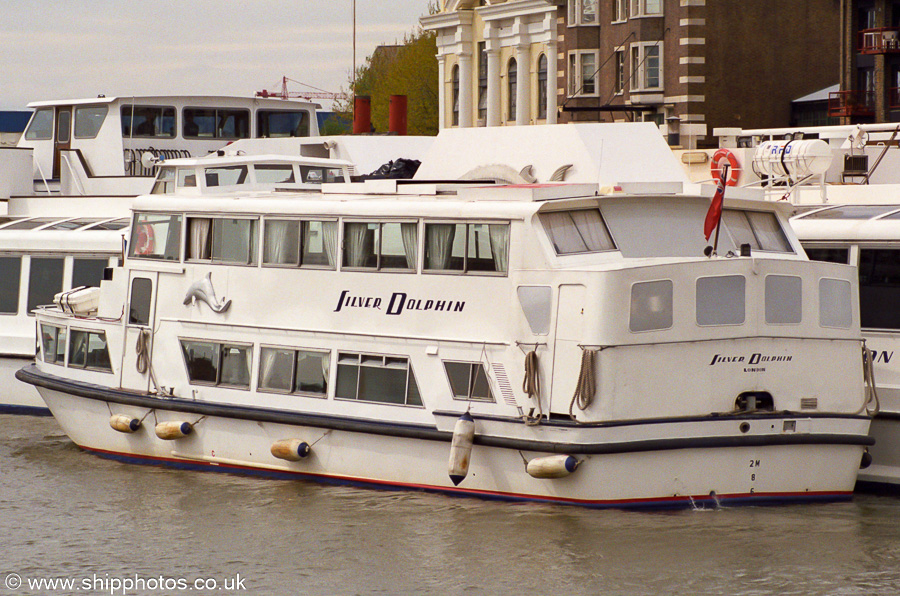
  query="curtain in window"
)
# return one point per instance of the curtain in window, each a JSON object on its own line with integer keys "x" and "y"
{"x": 408, "y": 233}
{"x": 590, "y": 225}
{"x": 355, "y": 250}
{"x": 440, "y": 245}
{"x": 280, "y": 243}
{"x": 200, "y": 238}
{"x": 500, "y": 246}
{"x": 329, "y": 240}
{"x": 563, "y": 233}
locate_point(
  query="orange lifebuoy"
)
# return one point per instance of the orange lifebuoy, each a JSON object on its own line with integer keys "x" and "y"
{"x": 734, "y": 168}
{"x": 145, "y": 240}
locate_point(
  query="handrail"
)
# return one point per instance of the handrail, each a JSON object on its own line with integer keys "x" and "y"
{"x": 43, "y": 178}
{"x": 64, "y": 156}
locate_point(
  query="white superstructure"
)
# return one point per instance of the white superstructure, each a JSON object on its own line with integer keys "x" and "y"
{"x": 573, "y": 336}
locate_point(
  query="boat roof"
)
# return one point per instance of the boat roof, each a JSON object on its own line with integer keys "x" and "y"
{"x": 850, "y": 222}
{"x": 232, "y": 158}
{"x": 180, "y": 99}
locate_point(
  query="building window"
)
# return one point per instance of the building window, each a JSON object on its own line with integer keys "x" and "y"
{"x": 583, "y": 74}
{"x": 620, "y": 71}
{"x": 511, "y": 79}
{"x": 542, "y": 87}
{"x": 375, "y": 378}
{"x": 646, "y": 8}
{"x": 620, "y": 11}
{"x": 646, "y": 66}
{"x": 454, "y": 85}
{"x": 482, "y": 81}
{"x": 582, "y": 12}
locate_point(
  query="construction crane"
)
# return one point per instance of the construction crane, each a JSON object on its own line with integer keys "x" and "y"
{"x": 285, "y": 94}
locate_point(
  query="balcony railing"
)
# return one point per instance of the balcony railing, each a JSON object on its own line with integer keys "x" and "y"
{"x": 879, "y": 41}
{"x": 851, "y": 103}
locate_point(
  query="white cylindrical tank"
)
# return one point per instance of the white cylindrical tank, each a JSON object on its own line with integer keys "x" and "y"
{"x": 796, "y": 159}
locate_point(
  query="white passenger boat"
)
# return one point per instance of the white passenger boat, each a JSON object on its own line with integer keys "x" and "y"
{"x": 556, "y": 342}
{"x": 849, "y": 176}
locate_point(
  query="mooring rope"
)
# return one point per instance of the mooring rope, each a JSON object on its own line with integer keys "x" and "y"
{"x": 586, "y": 386}
{"x": 143, "y": 364}
{"x": 871, "y": 403}
{"x": 531, "y": 385}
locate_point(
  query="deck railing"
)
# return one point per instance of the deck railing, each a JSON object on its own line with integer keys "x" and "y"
{"x": 879, "y": 41}
{"x": 851, "y": 103}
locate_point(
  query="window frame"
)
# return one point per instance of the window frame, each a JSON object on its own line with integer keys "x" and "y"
{"x": 543, "y": 92}
{"x": 576, "y": 78}
{"x": 59, "y": 328}
{"x": 217, "y": 132}
{"x": 78, "y": 115}
{"x": 42, "y": 134}
{"x": 640, "y": 70}
{"x": 220, "y": 353}
{"x": 163, "y": 113}
{"x": 465, "y": 270}
{"x": 70, "y": 336}
{"x": 619, "y": 11}
{"x": 512, "y": 89}
{"x": 575, "y": 13}
{"x": 378, "y": 245}
{"x": 336, "y": 252}
{"x": 638, "y": 9}
{"x": 470, "y": 382}
{"x": 410, "y": 377}
{"x": 16, "y": 296}
{"x": 295, "y": 351}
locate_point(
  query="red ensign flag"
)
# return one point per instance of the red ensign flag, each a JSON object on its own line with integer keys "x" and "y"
{"x": 715, "y": 207}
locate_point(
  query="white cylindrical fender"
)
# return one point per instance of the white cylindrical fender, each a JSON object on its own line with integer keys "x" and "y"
{"x": 123, "y": 423}
{"x": 290, "y": 449}
{"x": 461, "y": 448}
{"x": 552, "y": 466}
{"x": 173, "y": 430}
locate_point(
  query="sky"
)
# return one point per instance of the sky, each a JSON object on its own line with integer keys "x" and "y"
{"x": 68, "y": 49}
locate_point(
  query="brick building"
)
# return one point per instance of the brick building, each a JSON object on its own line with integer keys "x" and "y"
{"x": 688, "y": 65}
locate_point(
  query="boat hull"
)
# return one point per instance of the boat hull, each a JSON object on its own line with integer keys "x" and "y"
{"x": 666, "y": 464}
{"x": 885, "y": 469}
{"x": 16, "y": 397}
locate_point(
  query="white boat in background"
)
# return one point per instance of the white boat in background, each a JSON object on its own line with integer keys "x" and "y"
{"x": 556, "y": 342}
{"x": 844, "y": 184}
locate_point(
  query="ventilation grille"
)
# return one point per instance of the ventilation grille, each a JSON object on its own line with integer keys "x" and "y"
{"x": 809, "y": 403}
{"x": 503, "y": 381}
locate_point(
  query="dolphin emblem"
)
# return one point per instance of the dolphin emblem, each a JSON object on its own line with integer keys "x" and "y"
{"x": 203, "y": 291}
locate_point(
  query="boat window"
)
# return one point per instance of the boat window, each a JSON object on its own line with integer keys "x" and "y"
{"x": 88, "y": 120}
{"x": 318, "y": 175}
{"x": 155, "y": 236}
{"x": 274, "y": 173}
{"x": 186, "y": 178}
{"x": 45, "y": 280}
{"x": 71, "y": 224}
{"x": 835, "y": 307}
{"x": 165, "y": 181}
{"x": 308, "y": 243}
{"x": 282, "y": 123}
{"x": 141, "y": 294}
{"x": 879, "y": 288}
{"x": 294, "y": 371}
{"x": 216, "y": 123}
{"x": 234, "y": 240}
{"x": 651, "y": 306}
{"x": 226, "y": 176}
{"x": 41, "y": 126}
{"x": 577, "y": 231}
{"x": 784, "y": 300}
{"x": 30, "y": 224}
{"x": 217, "y": 364}
{"x": 11, "y": 274}
{"x": 829, "y": 255}
{"x": 148, "y": 121}
{"x": 63, "y": 126}
{"x": 87, "y": 349}
{"x": 759, "y": 229}
{"x": 382, "y": 379}
{"x": 88, "y": 272}
{"x": 381, "y": 246}
{"x": 459, "y": 247}
{"x": 53, "y": 343}
{"x": 852, "y": 212}
{"x": 115, "y": 224}
{"x": 721, "y": 300}
{"x": 468, "y": 381}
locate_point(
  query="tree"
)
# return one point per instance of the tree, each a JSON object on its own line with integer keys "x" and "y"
{"x": 409, "y": 69}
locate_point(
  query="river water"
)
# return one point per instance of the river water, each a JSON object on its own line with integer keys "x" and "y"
{"x": 114, "y": 528}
